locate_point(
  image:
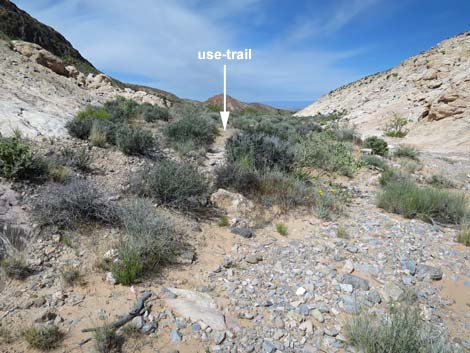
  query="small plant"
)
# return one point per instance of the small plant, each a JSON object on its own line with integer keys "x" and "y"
{"x": 223, "y": 221}
{"x": 173, "y": 184}
{"x": 81, "y": 126}
{"x": 464, "y": 234}
{"x": 106, "y": 340}
{"x": 281, "y": 228}
{"x": 128, "y": 268}
{"x": 396, "y": 127}
{"x": 400, "y": 331}
{"x": 98, "y": 134}
{"x": 341, "y": 232}
{"x": 410, "y": 165}
{"x": 134, "y": 141}
{"x": 71, "y": 276}
{"x": 59, "y": 173}
{"x": 15, "y": 267}
{"x": 439, "y": 181}
{"x": 17, "y": 161}
{"x": 377, "y": 145}
{"x": 93, "y": 113}
{"x": 45, "y": 337}
{"x": 407, "y": 151}
{"x": 67, "y": 205}
{"x": 77, "y": 159}
{"x": 122, "y": 110}
{"x": 374, "y": 161}
{"x": 6, "y": 335}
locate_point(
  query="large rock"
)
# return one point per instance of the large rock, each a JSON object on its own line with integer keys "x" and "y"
{"x": 235, "y": 205}
{"x": 41, "y": 56}
{"x": 196, "y": 307}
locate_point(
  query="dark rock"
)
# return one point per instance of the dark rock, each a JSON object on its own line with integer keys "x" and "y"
{"x": 432, "y": 272}
{"x": 244, "y": 232}
{"x": 356, "y": 282}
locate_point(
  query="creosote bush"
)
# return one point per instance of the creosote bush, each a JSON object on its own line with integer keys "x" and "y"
{"x": 400, "y": 331}
{"x": 68, "y": 205}
{"x": 45, "y": 338}
{"x": 173, "y": 184}
{"x": 405, "y": 197}
{"x": 150, "y": 241}
{"x": 379, "y": 146}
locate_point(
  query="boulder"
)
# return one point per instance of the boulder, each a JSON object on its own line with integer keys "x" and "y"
{"x": 41, "y": 56}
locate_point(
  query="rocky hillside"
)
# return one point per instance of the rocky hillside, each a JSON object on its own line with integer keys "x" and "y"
{"x": 431, "y": 90}
{"x": 235, "y": 105}
{"x": 17, "y": 24}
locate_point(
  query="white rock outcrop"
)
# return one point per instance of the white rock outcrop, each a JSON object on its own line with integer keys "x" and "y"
{"x": 431, "y": 90}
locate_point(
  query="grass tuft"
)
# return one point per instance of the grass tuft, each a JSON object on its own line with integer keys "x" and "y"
{"x": 281, "y": 228}
{"x": 45, "y": 338}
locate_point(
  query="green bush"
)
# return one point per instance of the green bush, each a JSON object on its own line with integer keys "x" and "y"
{"x": 122, "y": 110}
{"x": 134, "y": 141}
{"x": 73, "y": 203}
{"x": 410, "y": 200}
{"x": 78, "y": 159}
{"x": 281, "y": 228}
{"x": 223, "y": 221}
{"x": 322, "y": 151}
{"x": 261, "y": 151}
{"x": 173, "y": 184}
{"x": 150, "y": 242}
{"x": 464, "y": 234}
{"x": 79, "y": 128}
{"x": 17, "y": 161}
{"x": 46, "y": 337}
{"x": 238, "y": 176}
{"x": 15, "y": 267}
{"x": 98, "y": 134}
{"x": 93, "y": 113}
{"x": 374, "y": 161}
{"x": 396, "y": 127}
{"x": 407, "y": 151}
{"x": 378, "y": 145}
{"x": 197, "y": 129}
{"x": 152, "y": 113}
{"x": 400, "y": 331}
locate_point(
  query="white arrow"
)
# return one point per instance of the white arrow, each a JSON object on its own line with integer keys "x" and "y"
{"x": 225, "y": 114}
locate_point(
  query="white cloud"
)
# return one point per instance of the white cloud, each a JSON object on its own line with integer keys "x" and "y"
{"x": 159, "y": 40}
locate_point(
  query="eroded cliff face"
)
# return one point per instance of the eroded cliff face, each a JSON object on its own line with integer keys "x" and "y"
{"x": 39, "y": 93}
{"x": 431, "y": 90}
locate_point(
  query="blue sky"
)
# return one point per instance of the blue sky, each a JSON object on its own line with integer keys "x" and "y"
{"x": 302, "y": 49}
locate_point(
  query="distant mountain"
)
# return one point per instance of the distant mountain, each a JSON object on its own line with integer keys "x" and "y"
{"x": 429, "y": 90}
{"x": 235, "y": 105}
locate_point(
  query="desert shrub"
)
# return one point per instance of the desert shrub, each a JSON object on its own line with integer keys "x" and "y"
{"x": 67, "y": 205}
{"x": 324, "y": 119}
{"x": 77, "y": 159}
{"x": 223, "y": 221}
{"x": 390, "y": 175}
{"x": 129, "y": 267}
{"x": 151, "y": 234}
{"x": 71, "y": 276}
{"x": 198, "y": 129}
{"x": 407, "y": 151}
{"x": 410, "y": 165}
{"x": 342, "y": 232}
{"x": 378, "y": 145}
{"x": 121, "y": 109}
{"x": 15, "y": 267}
{"x": 59, "y": 173}
{"x": 46, "y": 337}
{"x": 410, "y": 200}
{"x": 17, "y": 161}
{"x": 107, "y": 340}
{"x": 152, "y": 113}
{"x": 98, "y": 134}
{"x": 439, "y": 181}
{"x": 320, "y": 150}
{"x": 238, "y": 176}
{"x": 284, "y": 190}
{"x": 134, "y": 141}
{"x": 79, "y": 128}
{"x": 173, "y": 184}
{"x": 400, "y": 331}
{"x": 464, "y": 235}
{"x": 345, "y": 133}
{"x": 396, "y": 127}
{"x": 93, "y": 113}
{"x": 262, "y": 151}
{"x": 281, "y": 228}
{"x": 374, "y": 161}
